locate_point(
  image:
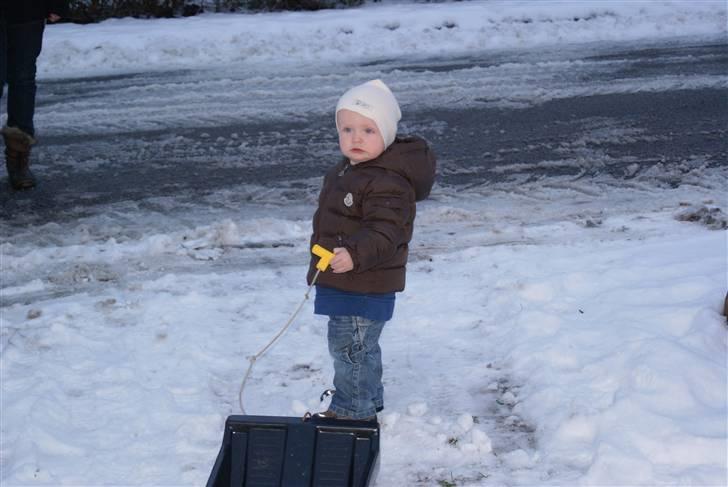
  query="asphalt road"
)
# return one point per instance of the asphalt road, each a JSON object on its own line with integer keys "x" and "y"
{"x": 669, "y": 128}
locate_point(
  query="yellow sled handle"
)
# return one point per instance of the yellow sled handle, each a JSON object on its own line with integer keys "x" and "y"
{"x": 325, "y": 257}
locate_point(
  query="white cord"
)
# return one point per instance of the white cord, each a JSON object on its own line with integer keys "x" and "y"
{"x": 255, "y": 357}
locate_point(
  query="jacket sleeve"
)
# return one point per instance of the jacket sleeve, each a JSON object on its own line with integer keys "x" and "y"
{"x": 386, "y": 209}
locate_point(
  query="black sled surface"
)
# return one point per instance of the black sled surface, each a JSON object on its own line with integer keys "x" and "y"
{"x": 279, "y": 451}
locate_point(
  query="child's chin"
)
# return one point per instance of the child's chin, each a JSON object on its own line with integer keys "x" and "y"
{"x": 358, "y": 157}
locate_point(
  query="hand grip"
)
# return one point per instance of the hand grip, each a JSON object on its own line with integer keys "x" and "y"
{"x": 324, "y": 257}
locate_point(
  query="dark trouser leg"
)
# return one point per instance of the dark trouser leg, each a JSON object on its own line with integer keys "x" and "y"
{"x": 23, "y": 43}
{"x": 3, "y": 56}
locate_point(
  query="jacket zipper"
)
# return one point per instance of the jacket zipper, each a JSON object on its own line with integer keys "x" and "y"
{"x": 344, "y": 169}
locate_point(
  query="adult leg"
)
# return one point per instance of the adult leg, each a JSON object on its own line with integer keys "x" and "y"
{"x": 3, "y": 56}
{"x": 23, "y": 43}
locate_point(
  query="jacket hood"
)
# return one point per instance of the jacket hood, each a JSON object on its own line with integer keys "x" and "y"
{"x": 411, "y": 158}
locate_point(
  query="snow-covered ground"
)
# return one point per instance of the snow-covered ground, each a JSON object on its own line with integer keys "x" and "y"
{"x": 374, "y": 32}
{"x": 558, "y": 332}
{"x": 545, "y": 338}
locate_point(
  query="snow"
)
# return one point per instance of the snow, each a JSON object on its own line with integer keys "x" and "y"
{"x": 552, "y": 332}
{"x": 531, "y": 349}
{"x": 373, "y": 32}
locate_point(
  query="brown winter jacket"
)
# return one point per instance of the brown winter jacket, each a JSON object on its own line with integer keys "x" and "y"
{"x": 369, "y": 209}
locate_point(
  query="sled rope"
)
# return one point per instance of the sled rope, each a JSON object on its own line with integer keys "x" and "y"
{"x": 323, "y": 263}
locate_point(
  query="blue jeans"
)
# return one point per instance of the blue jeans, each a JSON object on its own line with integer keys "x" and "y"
{"x": 354, "y": 346}
{"x": 20, "y": 46}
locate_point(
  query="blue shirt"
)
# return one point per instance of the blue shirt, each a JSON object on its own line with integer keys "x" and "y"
{"x": 334, "y": 302}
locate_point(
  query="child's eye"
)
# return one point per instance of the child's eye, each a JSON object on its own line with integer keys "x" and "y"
{"x": 346, "y": 130}
{"x": 369, "y": 131}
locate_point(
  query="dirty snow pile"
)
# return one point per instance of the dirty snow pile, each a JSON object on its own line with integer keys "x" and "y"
{"x": 373, "y": 32}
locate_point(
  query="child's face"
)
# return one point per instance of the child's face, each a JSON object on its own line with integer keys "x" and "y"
{"x": 359, "y": 137}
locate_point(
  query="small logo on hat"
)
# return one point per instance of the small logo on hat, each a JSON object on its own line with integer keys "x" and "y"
{"x": 361, "y": 103}
{"x": 349, "y": 200}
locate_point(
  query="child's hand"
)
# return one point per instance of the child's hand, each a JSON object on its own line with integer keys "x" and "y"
{"x": 341, "y": 262}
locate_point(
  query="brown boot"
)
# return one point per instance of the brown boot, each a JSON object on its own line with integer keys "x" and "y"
{"x": 17, "y": 157}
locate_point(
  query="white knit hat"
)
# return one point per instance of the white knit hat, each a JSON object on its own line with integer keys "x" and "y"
{"x": 374, "y": 100}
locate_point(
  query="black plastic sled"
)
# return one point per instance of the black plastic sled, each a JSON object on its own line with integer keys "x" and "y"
{"x": 278, "y": 451}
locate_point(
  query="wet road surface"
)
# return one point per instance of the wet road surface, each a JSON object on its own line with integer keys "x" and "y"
{"x": 616, "y": 113}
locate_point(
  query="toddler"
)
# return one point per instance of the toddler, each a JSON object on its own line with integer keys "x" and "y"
{"x": 366, "y": 212}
